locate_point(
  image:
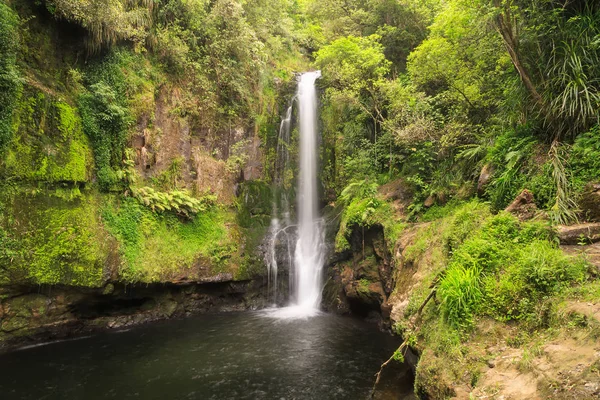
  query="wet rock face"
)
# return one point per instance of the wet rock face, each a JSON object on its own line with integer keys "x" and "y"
{"x": 201, "y": 158}
{"x": 590, "y": 202}
{"x": 30, "y": 315}
{"x": 361, "y": 282}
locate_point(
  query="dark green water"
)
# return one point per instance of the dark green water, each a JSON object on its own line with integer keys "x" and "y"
{"x": 224, "y": 356}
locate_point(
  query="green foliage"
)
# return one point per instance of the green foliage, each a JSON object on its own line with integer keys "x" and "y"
{"x": 10, "y": 82}
{"x": 546, "y": 269}
{"x": 461, "y": 296}
{"x": 49, "y": 145}
{"x": 509, "y": 155}
{"x": 353, "y": 70}
{"x": 506, "y": 270}
{"x": 363, "y": 208}
{"x": 462, "y": 223}
{"x": 461, "y": 61}
{"x": 563, "y": 210}
{"x": 107, "y": 21}
{"x": 176, "y": 201}
{"x": 584, "y": 159}
{"x": 573, "y": 90}
{"x": 105, "y": 118}
{"x": 354, "y": 63}
{"x": 159, "y": 247}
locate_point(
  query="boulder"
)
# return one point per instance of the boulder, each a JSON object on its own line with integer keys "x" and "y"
{"x": 590, "y": 202}
{"x": 523, "y": 206}
{"x": 485, "y": 176}
{"x": 575, "y": 234}
{"x": 429, "y": 201}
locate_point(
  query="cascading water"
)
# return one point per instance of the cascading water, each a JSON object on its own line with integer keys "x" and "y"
{"x": 308, "y": 257}
{"x": 281, "y": 211}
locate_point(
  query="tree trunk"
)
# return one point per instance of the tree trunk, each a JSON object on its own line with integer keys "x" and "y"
{"x": 511, "y": 41}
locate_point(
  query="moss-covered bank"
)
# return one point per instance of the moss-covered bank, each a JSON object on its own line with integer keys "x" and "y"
{"x": 127, "y": 161}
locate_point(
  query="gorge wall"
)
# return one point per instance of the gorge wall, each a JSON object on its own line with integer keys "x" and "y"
{"x": 131, "y": 189}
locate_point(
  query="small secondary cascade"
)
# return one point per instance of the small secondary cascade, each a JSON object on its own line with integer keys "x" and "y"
{"x": 307, "y": 261}
{"x": 281, "y": 211}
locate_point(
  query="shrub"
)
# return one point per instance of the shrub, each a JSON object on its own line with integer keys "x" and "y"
{"x": 546, "y": 269}
{"x": 584, "y": 160}
{"x": 105, "y": 121}
{"x": 504, "y": 269}
{"x": 177, "y": 201}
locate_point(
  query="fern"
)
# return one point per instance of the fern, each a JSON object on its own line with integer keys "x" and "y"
{"x": 177, "y": 201}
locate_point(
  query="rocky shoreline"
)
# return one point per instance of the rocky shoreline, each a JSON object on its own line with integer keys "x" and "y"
{"x": 31, "y": 315}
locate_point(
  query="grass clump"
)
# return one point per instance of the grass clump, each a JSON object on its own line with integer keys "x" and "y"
{"x": 505, "y": 270}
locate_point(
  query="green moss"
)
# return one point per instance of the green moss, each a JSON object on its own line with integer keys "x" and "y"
{"x": 106, "y": 116}
{"x": 52, "y": 240}
{"x": 164, "y": 248}
{"x": 10, "y": 83}
{"x": 255, "y": 204}
{"x": 49, "y": 144}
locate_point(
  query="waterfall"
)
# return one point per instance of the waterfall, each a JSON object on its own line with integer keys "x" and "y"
{"x": 308, "y": 257}
{"x": 307, "y": 245}
{"x": 280, "y": 212}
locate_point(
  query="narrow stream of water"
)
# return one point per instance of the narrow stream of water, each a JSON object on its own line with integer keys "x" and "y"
{"x": 221, "y": 356}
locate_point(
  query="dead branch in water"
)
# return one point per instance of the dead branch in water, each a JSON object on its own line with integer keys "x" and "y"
{"x": 404, "y": 346}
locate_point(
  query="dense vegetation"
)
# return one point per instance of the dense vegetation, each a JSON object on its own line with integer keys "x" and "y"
{"x": 510, "y": 85}
{"x": 127, "y": 126}
{"x": 97, "y": 95}
{"x": 459, "y": 100}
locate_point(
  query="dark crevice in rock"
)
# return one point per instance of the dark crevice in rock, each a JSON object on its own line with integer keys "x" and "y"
{"x": 30, "y": 315}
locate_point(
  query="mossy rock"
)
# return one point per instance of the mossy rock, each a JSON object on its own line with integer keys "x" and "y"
{"x": 256, "y": 204}
{"x": 49, "y": 144}
{"x": 54, "y": 237}
{"x": 432, "y": 380}
{"x": 26, "y": 306}
{"x": 158, "y": 247}
{"x": 14, "y": 324}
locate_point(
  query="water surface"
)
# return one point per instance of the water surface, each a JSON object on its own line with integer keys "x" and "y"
{"x": 221, "y": 356}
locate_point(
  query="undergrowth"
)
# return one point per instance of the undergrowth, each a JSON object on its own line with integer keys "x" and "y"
{"x": 363, "y": 207}
{"x": 10, "y": 81}
{"x": 160, "y": 247}
{"x": 496, "y": 266}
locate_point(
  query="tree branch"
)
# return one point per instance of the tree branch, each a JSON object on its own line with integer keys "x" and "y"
{"x": 404, "y": 346}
